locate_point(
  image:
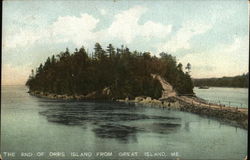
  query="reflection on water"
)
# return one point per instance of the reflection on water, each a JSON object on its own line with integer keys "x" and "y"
{"x": 108, "y": 119}
{"x": 117, "y": 131}
{"x": 186, "y": 126}
{"x": 31, "y": 124}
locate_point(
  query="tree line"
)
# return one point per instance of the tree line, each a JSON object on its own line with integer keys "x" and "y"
{"x": 126, "y": 73}
{"x": 236, "y": 81}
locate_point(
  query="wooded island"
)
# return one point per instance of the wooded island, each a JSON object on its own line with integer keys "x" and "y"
{"x": 119, "y": 72}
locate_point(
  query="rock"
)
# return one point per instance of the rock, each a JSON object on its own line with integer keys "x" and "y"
{"x": 52, "y": 96}
{"x": 64, "y": 96}
{"x": 138, "y": 99}
{"x": 106, "y": 91}
{"x": 156, "y": 102}
{"x": 59, "y": 96}
{"x": 78, "y": 97}
{"x": 120, "y": 100}
{"x": 69, "y": 97}
{"x": 91, "y": 95}
{"x": 37, "y": 92}
{"x": 148, "y": 100}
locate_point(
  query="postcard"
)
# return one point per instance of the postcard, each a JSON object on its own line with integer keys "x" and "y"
{"x": 124, "y": 80}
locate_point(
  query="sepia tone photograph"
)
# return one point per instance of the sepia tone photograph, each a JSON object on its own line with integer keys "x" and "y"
{"x": 124, "y": 80}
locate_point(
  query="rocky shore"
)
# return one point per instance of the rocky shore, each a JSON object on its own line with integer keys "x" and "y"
{"x": 230, "y": 115}
{"x": 104, "y": 94}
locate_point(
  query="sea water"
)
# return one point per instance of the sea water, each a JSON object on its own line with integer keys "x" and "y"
{"x": 39, "y": 128}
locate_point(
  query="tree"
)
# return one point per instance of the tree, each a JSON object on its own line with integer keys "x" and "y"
{"x": 47, "y": 64}
{"x": 53, "y": 60}
{"x": 179, "y": 67}
{"x": 188, "y": 67}
{"x": 125, "y": 73}
{"x": 32, "y": 74}
{"x": 99, "y": 52}
{"x": 40, "y": 69}
{"x": 111, "y": 51}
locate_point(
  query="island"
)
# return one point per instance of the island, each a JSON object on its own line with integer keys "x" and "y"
{"x": 108, "y": 74}
{"x": 125, "y": 76}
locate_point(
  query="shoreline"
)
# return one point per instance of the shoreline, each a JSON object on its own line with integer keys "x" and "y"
{"x": 229, "y": 115}
{"x": 234, "y": 116}
{"x": 223, "y": 87}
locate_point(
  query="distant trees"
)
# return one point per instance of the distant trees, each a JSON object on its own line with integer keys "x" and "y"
{"x": 237, "y": 81}
{"x": 125, "y": 73}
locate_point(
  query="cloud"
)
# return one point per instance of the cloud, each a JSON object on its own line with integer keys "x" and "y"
{"x": 103, "y": 12}
{"x": 223, "y": 60}
{"x": 81, "y": 30}
{"x": 181, "y": 40}
{"x": 23, "y": 31}
{"x": 78, "y": 30}
{"x": 151, "y": 29}
{"x": 15, "y": 75}
{"x": 21, "y": 39}
{"x": 126, "y": 27}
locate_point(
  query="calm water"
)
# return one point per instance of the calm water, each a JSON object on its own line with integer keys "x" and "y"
{"x": 30, "y": 124}
{"x": 237, "y": 97}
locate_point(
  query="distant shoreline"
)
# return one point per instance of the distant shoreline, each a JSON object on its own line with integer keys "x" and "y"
{"x": 239, "y": 81}
{"x": 224, "y": 87}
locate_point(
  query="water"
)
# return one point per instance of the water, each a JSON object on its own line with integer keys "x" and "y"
{"x": 30, "y": 124}
{"x": 235, "y": 97}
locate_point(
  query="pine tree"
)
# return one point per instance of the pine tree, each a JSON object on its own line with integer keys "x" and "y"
{"x": 111, "y": 51}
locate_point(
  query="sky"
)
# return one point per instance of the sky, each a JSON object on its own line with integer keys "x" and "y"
{"x": 210, "y": 35}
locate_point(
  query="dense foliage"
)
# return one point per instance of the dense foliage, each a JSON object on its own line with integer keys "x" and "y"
{"x": 125, "y": 73}
{"x": 237, "y": 81}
